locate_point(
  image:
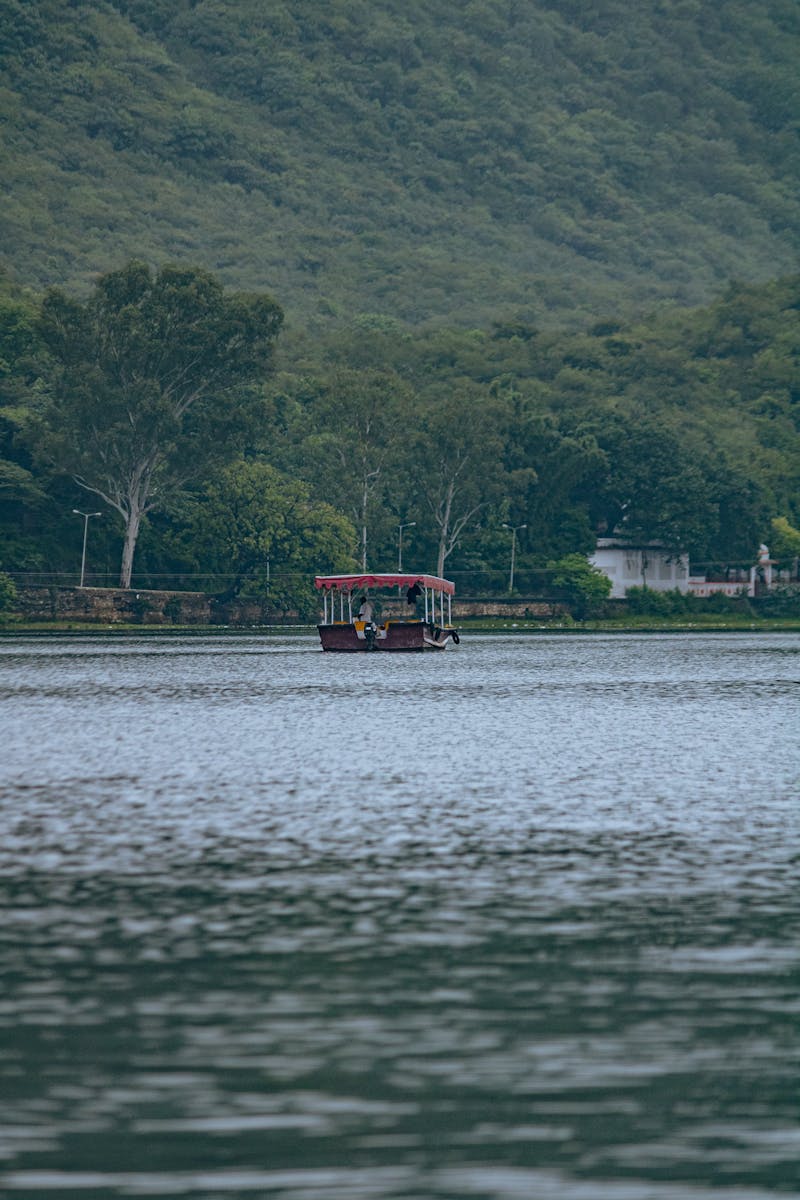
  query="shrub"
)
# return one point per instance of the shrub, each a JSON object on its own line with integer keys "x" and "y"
{"x": 585, "y": 586}
{"x": 645, "y": 601}
{"x": 8, "y": 592}
{"x": 780, "y": 602}
{"x": 718, "y": 602}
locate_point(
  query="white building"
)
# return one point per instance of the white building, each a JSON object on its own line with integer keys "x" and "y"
{"x": 630, "y": 565}
{"x": 759, "y": 579}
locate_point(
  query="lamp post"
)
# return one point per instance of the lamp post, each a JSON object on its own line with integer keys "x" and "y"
{"x": 85, "y": 516}
{"x": 514, "y": 530}
{"x": 406, "y": 525}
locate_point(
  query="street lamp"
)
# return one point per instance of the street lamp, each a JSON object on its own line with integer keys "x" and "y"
{"x": 514, "y": 530}
{"x": 85, "y": 516}
{"x": 406, "y": 525}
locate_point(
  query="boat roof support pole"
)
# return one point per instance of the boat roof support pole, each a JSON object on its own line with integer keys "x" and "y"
{"x": 341, "y": 607}
{"x": 350, "y": 607}
{"x": 449, "y": 609}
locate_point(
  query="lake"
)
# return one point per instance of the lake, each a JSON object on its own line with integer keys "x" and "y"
{"x": 519, "y": 921}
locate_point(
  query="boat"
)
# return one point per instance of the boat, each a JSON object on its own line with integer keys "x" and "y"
{"x": 405, "y": 618}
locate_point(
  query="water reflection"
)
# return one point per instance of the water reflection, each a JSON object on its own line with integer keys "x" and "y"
{"x": 518, "y": 921}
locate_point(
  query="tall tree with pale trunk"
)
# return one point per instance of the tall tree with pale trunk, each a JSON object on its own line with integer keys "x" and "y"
{"x": 458, "y": 447}
{"x": 358, "y": 421}
{"x": 153, "y": 384}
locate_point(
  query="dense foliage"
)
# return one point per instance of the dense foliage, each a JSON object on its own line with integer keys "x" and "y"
{"x": 546, "y": 161}
{"x": 149, "y": 389}
{"x": 503, "y": 233}
{"x": 684, "y": 427}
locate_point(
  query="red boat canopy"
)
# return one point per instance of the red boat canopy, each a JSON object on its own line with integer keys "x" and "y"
{"x": 352, "y": 583}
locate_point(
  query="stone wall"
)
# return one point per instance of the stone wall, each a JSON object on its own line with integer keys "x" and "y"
{"x": 542, "y": 610}
{"x": 109, "y": 606}
{"x": 250, "y": 612}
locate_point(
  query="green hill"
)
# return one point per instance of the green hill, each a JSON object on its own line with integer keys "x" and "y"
{"x": 452, "y": 161}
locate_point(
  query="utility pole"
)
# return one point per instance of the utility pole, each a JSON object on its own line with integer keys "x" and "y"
{"x": 514, "y": 529}
{"x": 406, "y": 525}
{"x": 85, "y": 516}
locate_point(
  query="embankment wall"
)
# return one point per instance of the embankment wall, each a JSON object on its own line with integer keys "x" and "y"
{"x": 110, "y": 606}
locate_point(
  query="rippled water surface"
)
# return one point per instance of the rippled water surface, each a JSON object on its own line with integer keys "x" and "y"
{"x": 516, "y": 922}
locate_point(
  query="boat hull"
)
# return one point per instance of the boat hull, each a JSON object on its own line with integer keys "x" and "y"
{"x": 395, "y": 635}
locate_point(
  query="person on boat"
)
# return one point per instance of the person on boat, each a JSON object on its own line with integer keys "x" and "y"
{"x": 412, "y": 596}
{"x": 365, "y": 609}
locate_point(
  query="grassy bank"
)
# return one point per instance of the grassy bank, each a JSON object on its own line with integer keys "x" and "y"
{"x": 19, "y": 628}
{"x": 697, "y": 623}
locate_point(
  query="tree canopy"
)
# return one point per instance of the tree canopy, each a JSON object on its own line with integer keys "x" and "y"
{"x": 683, "y": 427}
{"x": 527, "y": 254}
{"x": 149, "y": 386}
{"x": 263, "y": 528}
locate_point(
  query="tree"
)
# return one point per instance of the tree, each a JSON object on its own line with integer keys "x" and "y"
{"x": 21, "y": 493}
{"x": 256, "y": 522}
{"x": 8, "y": 592}
{"x": 357, "y": 425}
{"x": 654, "y": 489}
{"x": 585, "y": 585}
{"x": 744, "y": 506}
{"x": 784, "y": 541}
{"x": 548, "y": 470}
{"x": 152, "y": 383}
{"x": 459, "y": 451}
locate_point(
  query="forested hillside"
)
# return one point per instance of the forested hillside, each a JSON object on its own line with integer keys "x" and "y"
{"x": 452, "y": 161}
{"x": 223, "y": 465}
